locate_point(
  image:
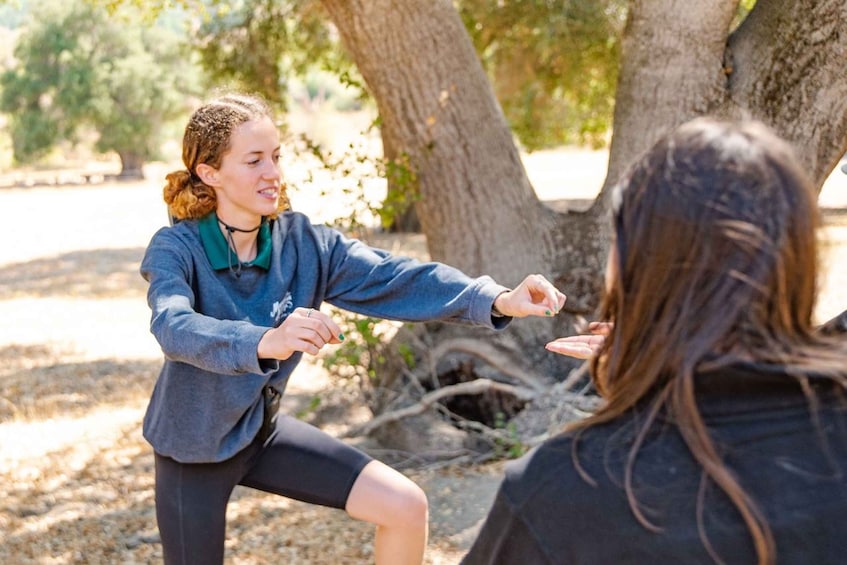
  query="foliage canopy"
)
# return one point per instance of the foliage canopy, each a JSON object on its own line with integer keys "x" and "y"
{"x": 553, "y": 64}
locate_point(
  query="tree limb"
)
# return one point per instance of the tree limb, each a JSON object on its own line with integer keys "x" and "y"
{"x": 787, "y": 69}
{"x": 478, "y": 386}
{"x": 491, "y": 355}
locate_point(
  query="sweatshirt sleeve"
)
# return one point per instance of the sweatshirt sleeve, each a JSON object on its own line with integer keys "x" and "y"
{"x": 375, "y": 283}
{"x": 221, "y": 346}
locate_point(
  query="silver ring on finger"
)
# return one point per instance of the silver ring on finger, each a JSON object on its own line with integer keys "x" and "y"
{"x": 309, "y": 315}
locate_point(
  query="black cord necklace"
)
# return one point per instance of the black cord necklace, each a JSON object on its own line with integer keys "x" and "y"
{"x": 230, "y": 245}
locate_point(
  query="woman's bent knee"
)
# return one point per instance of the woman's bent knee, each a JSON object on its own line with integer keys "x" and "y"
{"x": 388, "y": 498}
{"x": 412, "y": 508}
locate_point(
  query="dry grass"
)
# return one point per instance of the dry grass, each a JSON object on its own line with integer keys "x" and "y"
{"x": 76, "y": 368}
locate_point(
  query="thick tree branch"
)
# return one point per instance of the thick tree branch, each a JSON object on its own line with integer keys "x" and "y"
{"x": 789, "y": 69}
{"x": 490, "y": 354}
{"x": 671, "y": 71}
{"x": 477, "y": 207}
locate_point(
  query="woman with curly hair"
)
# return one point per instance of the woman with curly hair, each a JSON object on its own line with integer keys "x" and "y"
{"x": 235, "y": 289}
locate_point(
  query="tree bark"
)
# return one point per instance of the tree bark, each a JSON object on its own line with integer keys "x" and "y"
{"x": 784, "y": 65}
{"x": 477, "y": 209}
{"x": 789, "y": 70}
{"x": 671, "y": 71}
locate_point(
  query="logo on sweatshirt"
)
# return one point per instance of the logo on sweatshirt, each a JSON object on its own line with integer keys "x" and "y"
{"x": 282, "y": 309}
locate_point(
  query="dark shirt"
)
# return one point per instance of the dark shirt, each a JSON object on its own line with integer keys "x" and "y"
{"x": 791, "y": 461}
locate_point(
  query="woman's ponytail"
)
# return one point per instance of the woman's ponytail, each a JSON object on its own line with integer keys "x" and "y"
{"x": 187, "y": 196}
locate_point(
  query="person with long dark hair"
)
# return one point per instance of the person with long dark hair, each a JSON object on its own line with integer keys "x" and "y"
{"x": 722, "y": 433}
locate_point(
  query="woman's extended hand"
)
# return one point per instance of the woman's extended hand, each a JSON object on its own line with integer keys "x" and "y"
{"x": 305, "y": 329}
{"x": 582, "y": 346}
{"x": 535, "y": 296}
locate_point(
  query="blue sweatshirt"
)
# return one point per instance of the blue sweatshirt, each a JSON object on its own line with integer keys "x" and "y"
{"x": 207, "y": 405}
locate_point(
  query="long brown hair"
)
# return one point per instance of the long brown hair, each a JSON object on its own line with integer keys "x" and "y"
{"x": 207, "y": 138}
{"x": 714, "y": 256}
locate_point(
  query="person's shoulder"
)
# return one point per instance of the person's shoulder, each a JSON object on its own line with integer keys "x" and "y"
{"x": 181, "y": 237}
{"x": 577, "y": 462}
{"x": 178, "y": 229}
{"x": 182, "y": 230}
{"x": 291, "y": 217}
{"x": 291, "y": 222}
{"x": 550, "y": 461}
{"x": 549, "y": 452}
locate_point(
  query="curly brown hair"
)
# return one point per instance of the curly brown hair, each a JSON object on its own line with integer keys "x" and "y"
{"x": 207, "y": 138}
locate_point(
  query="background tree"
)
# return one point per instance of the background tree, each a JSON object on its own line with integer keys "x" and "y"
{"x": 783, "y": 64}
{"x": 553, "y": 65}
{"x": 80, "y": 68}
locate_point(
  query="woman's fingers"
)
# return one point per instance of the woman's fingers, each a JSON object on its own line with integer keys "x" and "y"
{"x": 577, "y": 350}
{"x": 317, "y": 328}
{"x": 306, "y": 330}
{"x": 549, "y": 295}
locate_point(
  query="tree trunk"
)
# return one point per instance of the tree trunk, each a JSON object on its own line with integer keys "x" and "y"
{"x": 477, "y": 207}
{"x": 671, "y": 71}
{"x": 132, "y": 165}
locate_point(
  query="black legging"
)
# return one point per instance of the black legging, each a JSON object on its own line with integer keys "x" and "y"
{"x": 296, "y": 461}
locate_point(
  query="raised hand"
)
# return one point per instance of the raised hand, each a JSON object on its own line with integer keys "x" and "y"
{"x": 535, "y": 296}
{"x": 582, "y": 346}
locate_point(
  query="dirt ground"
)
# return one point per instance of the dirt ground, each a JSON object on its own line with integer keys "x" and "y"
{"x": 77, "y": 364}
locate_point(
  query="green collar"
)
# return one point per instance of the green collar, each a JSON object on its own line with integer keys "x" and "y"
{"x": 217, "y": 247}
